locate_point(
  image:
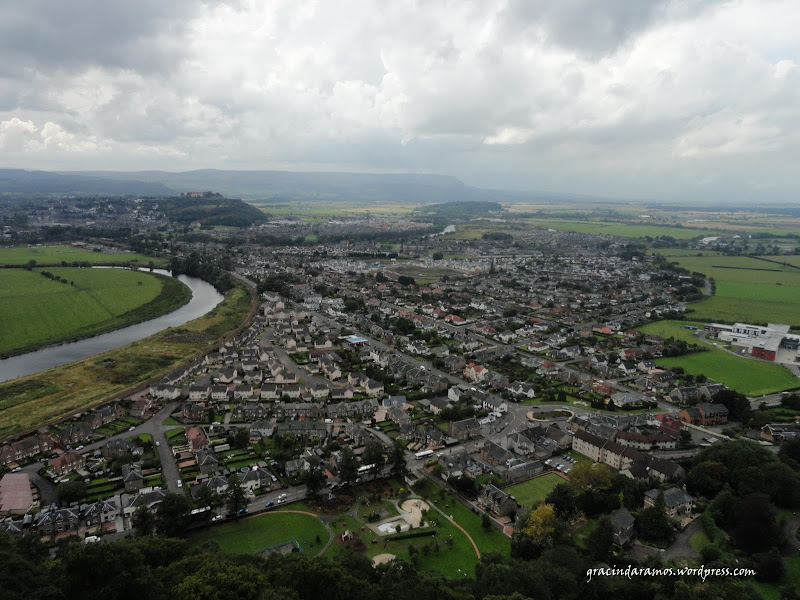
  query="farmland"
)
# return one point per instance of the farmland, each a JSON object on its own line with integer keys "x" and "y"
{"x": 746, "y": 375}
{"x": 39, "y": 310}
{"x": 747, "y": 289}
{"x": 619, "y": 229}
{"x": 29, "y": 402}
{"x": 57, "y": 255}
{"x": 531, "y": 492}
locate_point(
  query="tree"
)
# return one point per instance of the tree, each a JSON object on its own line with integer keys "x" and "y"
{"x": 564, "y": 500}
{"x": 373, "y": 455}
{"x": 586, "y": 475}
{"x": 314, "y": 479}
{"x": 438, "y": 256}
{"x": 68, "y": 492}
{"x": 601, "y": 541}
{"x": 486, "y": 522}
{"x": 143, "y": 520}
{"x": 756, "y": 528}
{"x": 653, "y": 523}
{"x": 398, "y": 460}
{"x": 235, "y": 495}
{"x": 540, "y": 524}
{"x": 348, "y": 468}
{"x": 173, "y": 514}
{"x": 706, "y": 479}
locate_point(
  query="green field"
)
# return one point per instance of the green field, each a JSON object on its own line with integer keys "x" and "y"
{"x": 55, "y": 255}
{"x": 30, "y": 402}
{"x": 619, "y": 229}
{"x": 531, "y": 492}
{"x": 748, "y": 290}
{"x": 772, "y": 591}
{"x": 746, "y": 375}
{"x": 250, "y": 535}
{"x": 39, "y": 311}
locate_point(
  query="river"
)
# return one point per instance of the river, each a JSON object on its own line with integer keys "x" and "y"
{"x": 204, "y": 298}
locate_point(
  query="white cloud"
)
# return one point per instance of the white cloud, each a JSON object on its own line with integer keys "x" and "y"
{"x": 585, "y": 96}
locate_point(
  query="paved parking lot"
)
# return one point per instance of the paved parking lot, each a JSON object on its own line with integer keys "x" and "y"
{"x": 561, "y": 463}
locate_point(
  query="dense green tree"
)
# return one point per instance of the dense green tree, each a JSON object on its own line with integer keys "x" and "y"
{"x": 144, "y": 522}
{"x": 564, "y": 500}
{"x": 348, "y": 467}
{"x": 173, "y": 514}
{"x": 706, "y": 478}
{"x": 313, "y": 478}
{"x": 374, "y": 455}
{"x": 756, "y": 528}
{"x": 397, "y": 458}
{"x": 601, "y": 540}
{"x": 235, "y": 495}
{"x": 68, "y": 492}
{"x": 653, "y": 523}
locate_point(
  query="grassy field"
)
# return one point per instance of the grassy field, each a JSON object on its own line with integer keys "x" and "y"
{"x": 619, "y": 229}
{"x": 250, "y": 535}
{"x": 55, "y": 255}
{"x": 534, "y": 490}
{"x": 748, "y": 290}
{"x": 29, "y": 402}
{"x": 38, "y": 311}
{"x": 748, "y": 376}
{"x": 699, "y": 540}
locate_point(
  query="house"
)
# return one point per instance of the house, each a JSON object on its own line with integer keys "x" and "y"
{"x": 712, "y": 414}
{"x": 53, "y": 522}
{"x": 521, "y": 389}
{"x": 690, "y": 415}
{"x": 497, "y": 502}
{"x": 193, "y": 412}
{"x": 779, "y": 433}
{"x": 464, "y": 429}
{"x": 207, "y": 462}
{"x": 624, "y": 526}
{"x": 475, "y": 372}
{"x": 132, "y": 477}
{"x": 117, "y": 447}
{"x": 67, "y": 463}
{"x": 196, "y": 437}
{"x": 102, "y": 511}
{"x": 676, "y": 501}
{"x": 259, "y": 479}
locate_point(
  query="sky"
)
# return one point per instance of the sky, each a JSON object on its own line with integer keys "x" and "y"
{"x": 679, "y": 100}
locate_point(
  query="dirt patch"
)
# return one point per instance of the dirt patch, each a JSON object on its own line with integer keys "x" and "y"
{"x": 415, "y": 507}
{"x": 383, "y": 558}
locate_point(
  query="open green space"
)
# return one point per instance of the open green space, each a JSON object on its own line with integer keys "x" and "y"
{"x": 533, "y": 491}
{"x": 746, "y": 375}
{"x": 30, "y": 402}
{"x": 55, "y": 255}
{"x": 253, "y": 534}
{"x": 747, "y": 290}
{"x": 699, "y": 540}
{"x": 619, "y": 229}
{"x": 38, "y": 310}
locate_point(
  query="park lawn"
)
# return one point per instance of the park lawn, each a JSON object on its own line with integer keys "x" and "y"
{"x": 39, "y": 311}
{"x": 487, "y": 541}
{"x": 531, "y": 492}
{"x": 699, "y": 540}
{"x": 55, "y": 255}
{"x": 254, "y": 534}
{"x": 748, "y": 376}
{"x": 384, "y": 505}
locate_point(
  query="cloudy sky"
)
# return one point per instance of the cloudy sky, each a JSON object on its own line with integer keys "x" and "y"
{"x": 660, "y": 99}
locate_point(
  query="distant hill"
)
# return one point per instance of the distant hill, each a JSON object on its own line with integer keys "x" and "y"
{"x": 21, "y": 182}
{"x": 287, "y": 185}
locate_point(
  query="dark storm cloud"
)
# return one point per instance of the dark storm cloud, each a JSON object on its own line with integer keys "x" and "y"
{"x": 145, "y": 35}
{"x": 594, "y": 27}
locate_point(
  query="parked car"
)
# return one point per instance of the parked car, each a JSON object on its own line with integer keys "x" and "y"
{"x": 270, "y": 503}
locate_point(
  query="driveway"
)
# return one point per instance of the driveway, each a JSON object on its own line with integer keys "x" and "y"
{"x": 680, "y": 548}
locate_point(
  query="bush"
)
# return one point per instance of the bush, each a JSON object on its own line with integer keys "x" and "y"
{"x": 410, "y": 535}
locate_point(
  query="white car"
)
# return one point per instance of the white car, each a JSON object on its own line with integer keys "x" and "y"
{"x": 180, "y": 483}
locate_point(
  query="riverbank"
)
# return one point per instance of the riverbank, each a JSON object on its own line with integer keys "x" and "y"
{"x": 172, "y": 295}
{"x": 29, "y": 402}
